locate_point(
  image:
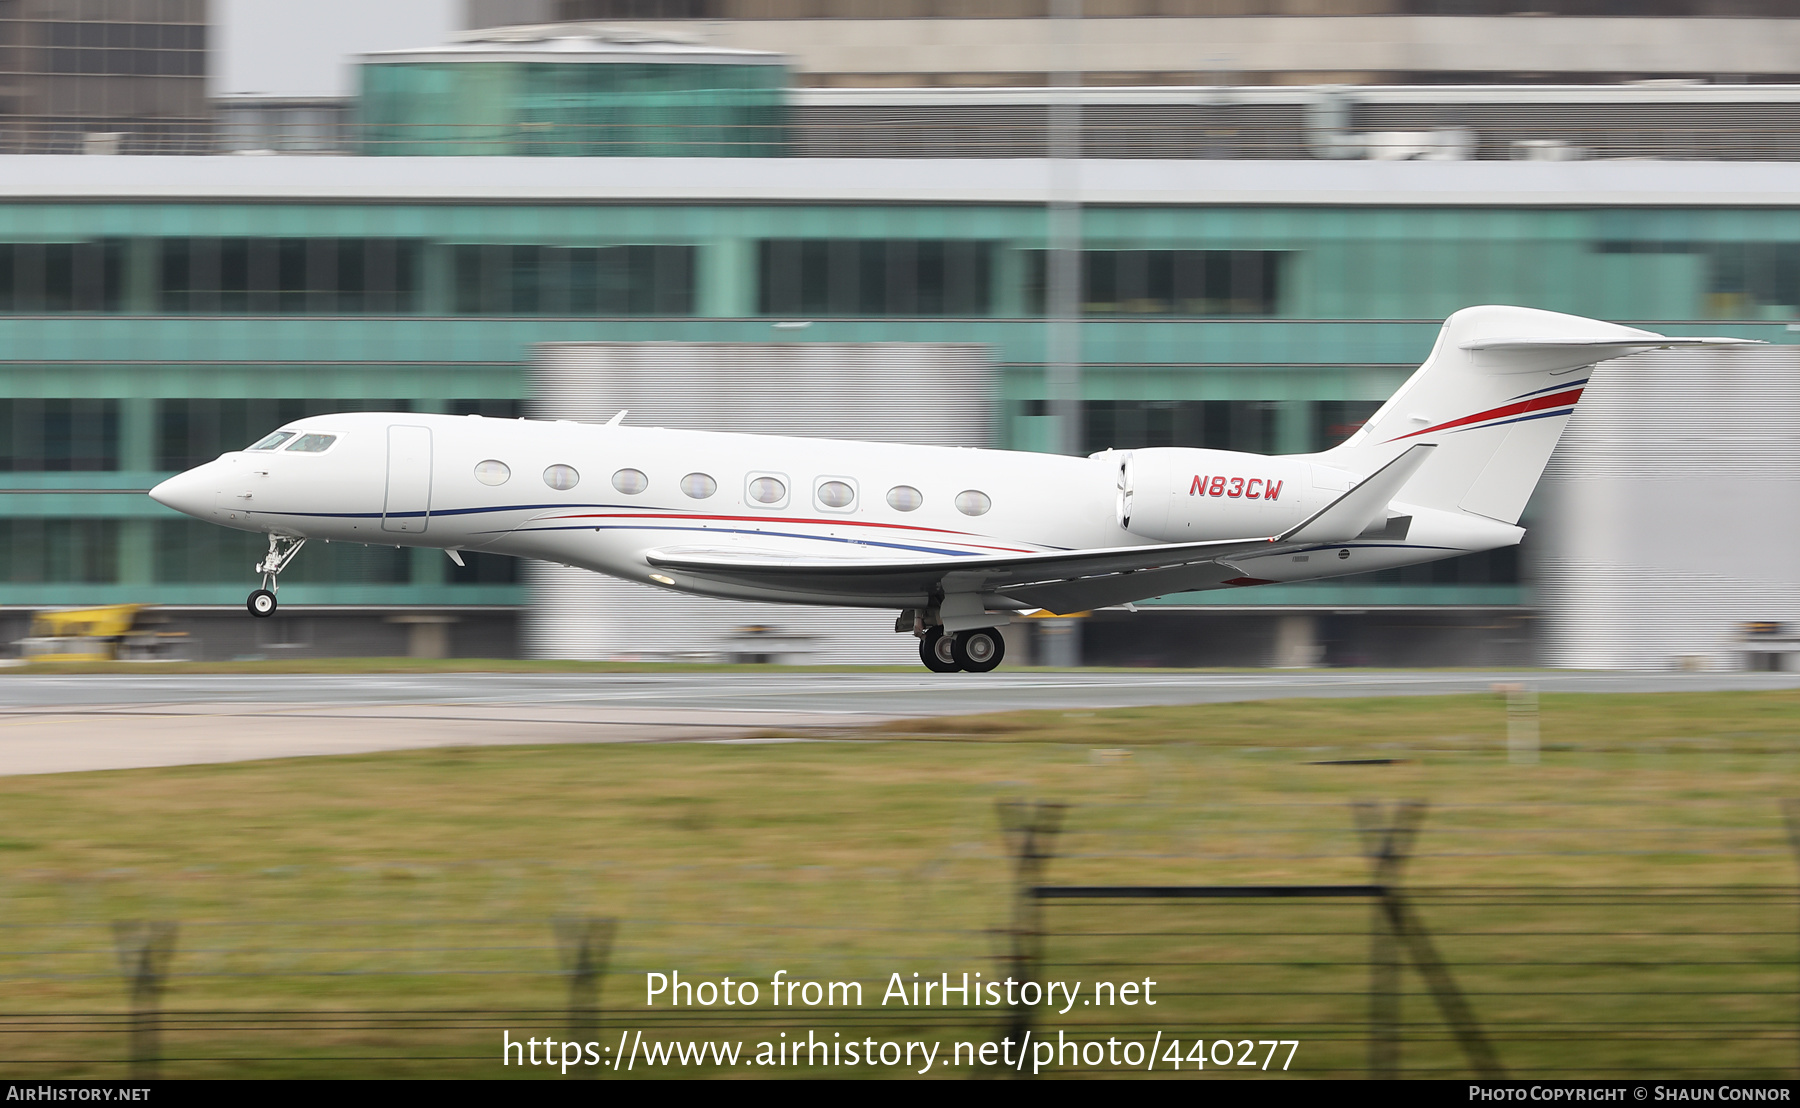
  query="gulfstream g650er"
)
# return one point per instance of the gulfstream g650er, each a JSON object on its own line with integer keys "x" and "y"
{"x": 958, "y": 541}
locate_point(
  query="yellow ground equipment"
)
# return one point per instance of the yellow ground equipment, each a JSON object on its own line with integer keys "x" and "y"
{"x": 118, "y": 632}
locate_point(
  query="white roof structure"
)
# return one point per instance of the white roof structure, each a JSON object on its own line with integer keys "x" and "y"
{"x": 1260, "y": 182}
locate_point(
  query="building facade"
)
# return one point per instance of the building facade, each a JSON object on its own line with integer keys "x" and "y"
{"x": 104, "y": 77}
{"x": 155, "y": 312}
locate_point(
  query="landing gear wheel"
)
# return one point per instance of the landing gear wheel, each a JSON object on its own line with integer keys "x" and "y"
{"x": 261, "y": 603}
{"x": 978, "y": 651}
{"x": 935, "y": 650}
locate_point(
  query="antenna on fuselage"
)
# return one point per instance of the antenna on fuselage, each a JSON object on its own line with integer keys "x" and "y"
{"x": 618, "y": 419}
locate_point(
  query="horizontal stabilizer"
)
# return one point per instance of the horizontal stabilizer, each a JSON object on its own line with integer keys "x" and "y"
{"x": 1649, "y": 342}
{"x": 1352, "y": 513}
{"x": 1552, "y": 354}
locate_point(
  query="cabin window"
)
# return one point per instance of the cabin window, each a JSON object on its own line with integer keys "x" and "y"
{"x": 492, "y": 472}
{"x": 312, "y": 444}
{"x": 699, "y": 486}
{"x": 562, "y": 478}
{"x": 273, "y": 441}
{"x": 768, "y": 490}
{"x": 905, "y": 498}
{"x": 835, "y": 494}
{"x": 972, "y": 503}
{"x": 630, "y": 481}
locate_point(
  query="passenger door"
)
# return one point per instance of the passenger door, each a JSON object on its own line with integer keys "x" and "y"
{"x": 408, "y": 504}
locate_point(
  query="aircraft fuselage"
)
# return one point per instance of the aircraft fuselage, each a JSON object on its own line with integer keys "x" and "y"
{"x": 569, "y": 493}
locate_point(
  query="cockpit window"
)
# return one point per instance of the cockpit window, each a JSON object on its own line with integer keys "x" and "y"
{"x": 312, "y": 444}
{"x": 273, "y": 441}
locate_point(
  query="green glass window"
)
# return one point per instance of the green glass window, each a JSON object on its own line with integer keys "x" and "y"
{"x": 56, "y": 436}
{"x": 574, "y": 281}
{"x": 574, "y": 109}
{"x": 43, "y": 277}
{"x": 191, "y": 552}
{"x": 490, "y": 409}
{"x": 287, "y": 276}
{"x": 874, "y": 277}
{"x": 1168, "y": 282}
{"x": 59, "y": 551}
{"x": 484, "y": 569}
{"x": 191, "y": 432}
{"x": 1247, "y": 425}
{"x": 1489, "y": 567}
{"x": 1753, "y": 280}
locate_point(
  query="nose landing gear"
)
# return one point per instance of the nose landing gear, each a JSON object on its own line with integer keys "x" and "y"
{"x": 281, "y": 551}
{"x": 977, "y": 651}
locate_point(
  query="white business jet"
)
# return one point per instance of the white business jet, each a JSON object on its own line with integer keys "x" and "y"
{"x": 959, "y": 541}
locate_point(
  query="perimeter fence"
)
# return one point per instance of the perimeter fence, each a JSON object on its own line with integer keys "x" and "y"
{"x": 1334, "y": 979}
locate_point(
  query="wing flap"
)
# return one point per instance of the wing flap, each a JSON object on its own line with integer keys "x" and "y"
{"x": 976, "y": 574}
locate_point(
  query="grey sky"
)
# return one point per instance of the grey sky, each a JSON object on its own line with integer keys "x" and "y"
{"x": 285, "y": 48}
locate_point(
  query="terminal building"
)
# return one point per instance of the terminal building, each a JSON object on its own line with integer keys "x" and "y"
{"x": 1264, "y": 293}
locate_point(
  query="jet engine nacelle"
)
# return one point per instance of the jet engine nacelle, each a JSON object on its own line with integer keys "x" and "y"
{"x": 1174, "y": 494}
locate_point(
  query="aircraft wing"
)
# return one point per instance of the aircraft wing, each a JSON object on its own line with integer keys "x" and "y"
{"x": 1061, "y": 581}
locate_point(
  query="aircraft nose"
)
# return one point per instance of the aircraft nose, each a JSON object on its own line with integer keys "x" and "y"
{"x": 189, "y": 493}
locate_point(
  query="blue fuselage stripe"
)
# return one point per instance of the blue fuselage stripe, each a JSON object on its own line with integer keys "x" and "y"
{"x": 746, "y": 531}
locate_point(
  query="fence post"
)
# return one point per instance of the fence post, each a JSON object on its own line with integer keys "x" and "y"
{"x": 144, "y": 950}
{"x": 1387, "y": 842}
{"x": 1030, "y": 829}
{"x": 1790, "y": 815}
{"x": 1387, "y": 839}
{"x": 585, "y": 944}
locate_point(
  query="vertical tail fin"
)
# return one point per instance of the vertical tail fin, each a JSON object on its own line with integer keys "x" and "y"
{"x": 1494, "y": 396}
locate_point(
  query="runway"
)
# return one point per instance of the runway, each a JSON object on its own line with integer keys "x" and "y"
{"x": 60, "y": 724}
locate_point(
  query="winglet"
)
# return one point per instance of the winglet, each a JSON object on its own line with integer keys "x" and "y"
{"x": 618, "y": 419}
{"x": 1350, "y": 514}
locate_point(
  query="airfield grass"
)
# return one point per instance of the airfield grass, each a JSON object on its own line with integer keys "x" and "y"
{"x": 314, "y": 894}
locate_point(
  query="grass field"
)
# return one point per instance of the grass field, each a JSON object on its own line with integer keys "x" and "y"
{"x": 313, "y": 893}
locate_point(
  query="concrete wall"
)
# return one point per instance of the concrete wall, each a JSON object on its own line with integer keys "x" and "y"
{"x": 929, "y": 393}
{"x": 1671, "y": 511}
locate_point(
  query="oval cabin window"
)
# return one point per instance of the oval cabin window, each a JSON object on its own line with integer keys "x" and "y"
{"x": 905, "y": 498}
{"x": 562, "y": 478}
{"x": 767, "y": 490}
{"x": 492, "y": 472}
{"x": 699, "y": 486}
{"x": 630, "y": 481}
{"x": 972, "y": 503}
{"x": 836, "y": 494}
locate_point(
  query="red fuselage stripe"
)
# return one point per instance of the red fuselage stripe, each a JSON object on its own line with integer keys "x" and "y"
{"x": 1535, "y": 404}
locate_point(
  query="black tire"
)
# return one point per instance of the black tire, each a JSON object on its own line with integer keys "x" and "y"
{"x": 980, "y": 650}
{"x": 261, "y": 603}
{"x": 937, "y": 651}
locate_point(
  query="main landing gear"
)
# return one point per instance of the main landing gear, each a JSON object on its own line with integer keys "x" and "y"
{"x": 281, "y": 551}
{"x": 977, "y": 651}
